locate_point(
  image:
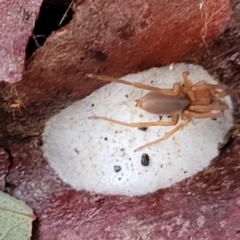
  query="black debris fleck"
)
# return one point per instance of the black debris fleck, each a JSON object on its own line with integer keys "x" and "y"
{"x": 145, "y": 159}
{"x": 117, "y": 168}
{"x": 143, "y": 128}
{"x": 92, "y": 105}
{"x": 105, "y": 138}
{"x": 76, "y": 150}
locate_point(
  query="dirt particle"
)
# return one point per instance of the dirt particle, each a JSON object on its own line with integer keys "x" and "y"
{"x": 143, "y": 128}
{"x": 117, "y": 168}
{"x": 76, "y": 150}
{"x": 145, "y": 159}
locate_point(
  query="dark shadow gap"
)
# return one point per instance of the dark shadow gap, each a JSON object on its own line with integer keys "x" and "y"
{"x": 51, "y": 18}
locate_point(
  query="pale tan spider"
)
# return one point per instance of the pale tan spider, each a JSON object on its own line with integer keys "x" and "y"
{"x": 190, "y": 101}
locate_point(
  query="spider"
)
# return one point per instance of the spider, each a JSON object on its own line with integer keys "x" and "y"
{"x": 187, "y": 101}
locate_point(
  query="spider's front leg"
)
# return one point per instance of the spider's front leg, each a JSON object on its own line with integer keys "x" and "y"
{"x": 206, "y": 111}
{"x": 177, "y": 88}
{"x": 212, "y": 88}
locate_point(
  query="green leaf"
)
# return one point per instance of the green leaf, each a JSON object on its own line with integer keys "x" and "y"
{"x": 15, "y": 219}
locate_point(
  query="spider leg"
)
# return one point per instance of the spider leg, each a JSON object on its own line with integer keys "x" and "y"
{"x": 216, "y": 105}
{"x": 203, "y": 114}
{"x": 166, "y": 136}
{"x": 171, "y": 92}
{"x": 204, "y": 86}
{"x": 205, "y": 111}
{"x": 174, "y": 121}
{"x": 188, "y": 87}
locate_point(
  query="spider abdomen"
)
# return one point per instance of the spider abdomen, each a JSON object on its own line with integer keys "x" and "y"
{"x": 160, "y": 104}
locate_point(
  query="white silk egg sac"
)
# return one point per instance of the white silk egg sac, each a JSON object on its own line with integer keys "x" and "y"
{"x": 98, "y": 156}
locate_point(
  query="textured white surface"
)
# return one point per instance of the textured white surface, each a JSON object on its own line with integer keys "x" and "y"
{"x": 84, "y": 151}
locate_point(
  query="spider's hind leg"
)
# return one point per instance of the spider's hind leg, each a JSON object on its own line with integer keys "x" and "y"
{"x": 174, "y": 121}
{"x": 167, "y": 135}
